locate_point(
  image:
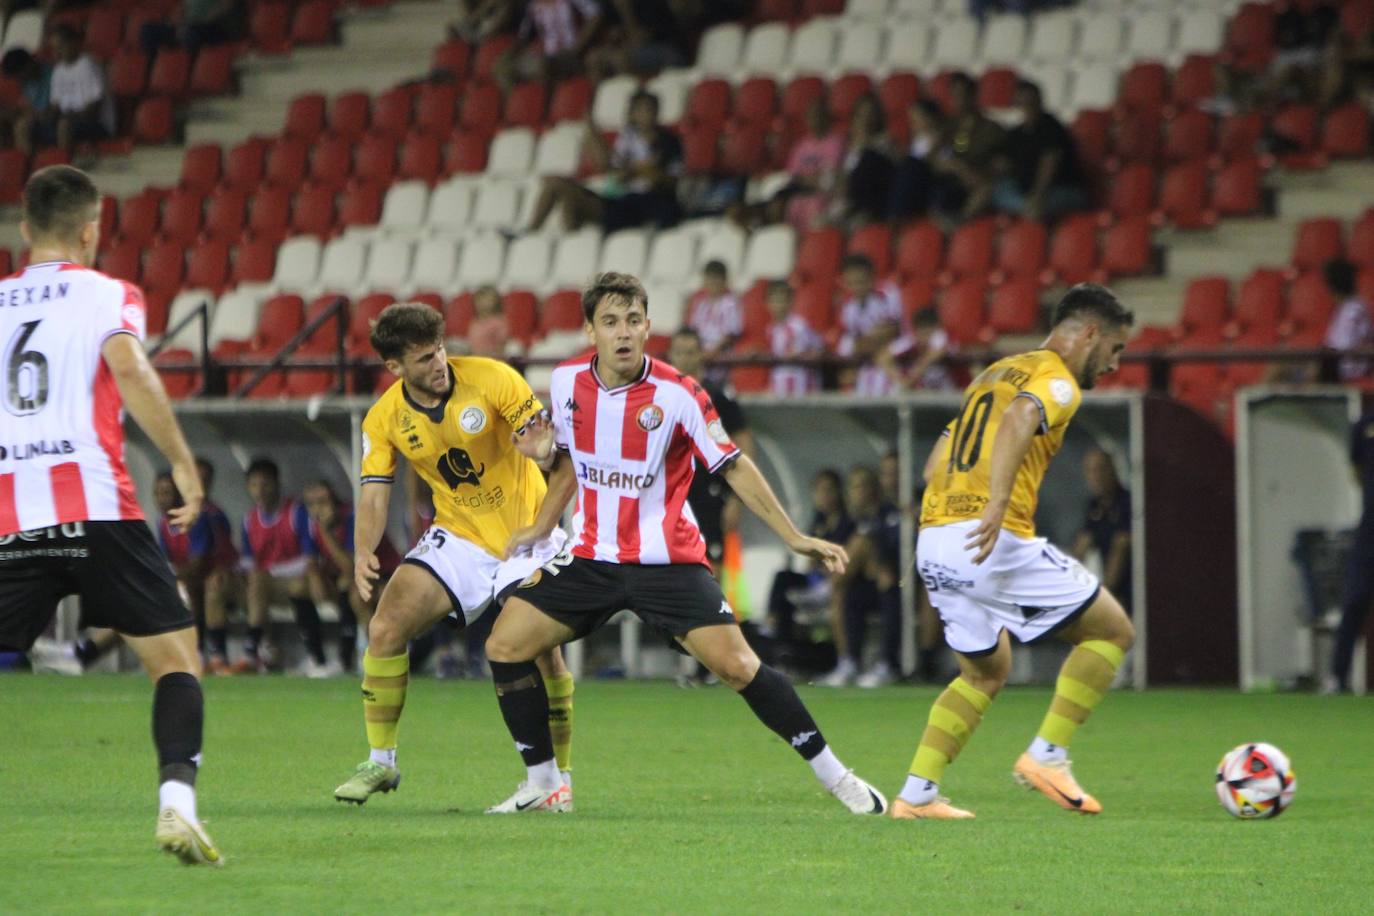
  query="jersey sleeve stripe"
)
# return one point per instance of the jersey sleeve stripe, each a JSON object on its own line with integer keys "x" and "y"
{"x": 374, "y": 478}
{"x": 1044, "y": 418}
{"x": 724, "y": 460}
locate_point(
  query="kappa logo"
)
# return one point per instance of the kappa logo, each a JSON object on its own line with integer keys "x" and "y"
{"x": 799, "y": 740}
{"x": 572, "y": 406}
{"x": 726, "y": 609}
{"x": 521, "y": 746}
{"x": 650, "y": 417}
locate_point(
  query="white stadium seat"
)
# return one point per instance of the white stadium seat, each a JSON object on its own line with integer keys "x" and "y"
{"x": 907, "y": 47}
{"x": 666, "y": 306}
{"x": 670, "y": 88}
{"x": 1199, "y": 32}
{"x": 298, "y": 263}
{"x": 185, "y": 303}
{"x": 612, "y": 101}
{"x": 720, "y": 49}
{"x": 388, "y": 264}
{"x": 405, "y": 207}
{"x": 725, "y": 244}
{"x": 876, "y": 10}
{"x": 559, "y": 150}
{"x": 671, "y": 257}
{"x": 919, "y": 9}
{"x": 482, "y": 260}
{"x": 1004, "y": 40}
{"x": 1093, "y": 87}
{"x": 497, "y": 206}
{"x": 1152, "y": 36}
{"x": 771, "y": 255}
{"x": 25, "y": 31}
{"x": 813, "y": 47}
{"x": 1055, "y": 82}
{"x": 342, "y": 266}
{"x": 511, "y": 154}
{"x": 450, "y": 206}
{"x": 436, "y": 263}
{"x": 575, "y": 260}
{"x": 765, "y": 49}
{"x": 235, "y": 316}
{"x": 625, "y": 251}
{"x": 1052, "y": 36}
{"x": 527, "y": 262}
{"x": 861, "y": 46}
{"x": 558, "y": 345}
{"x": 956, "y": 43}
{"x": 1102, "y": 37}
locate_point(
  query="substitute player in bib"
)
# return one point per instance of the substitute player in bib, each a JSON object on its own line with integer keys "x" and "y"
{"x": 462, "y": 424}
{"x": 70, "y": 522}
{"x": 627, "y": 429}
{"x": 988, "y": 574}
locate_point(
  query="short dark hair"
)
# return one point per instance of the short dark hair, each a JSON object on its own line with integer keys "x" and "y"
{"x": 403, "y": 325}
{"x": 59, "y": 200}
{"x": 326, "y": 485}
{"x": 1340, "y": 276}
{"x": 714, "y": 268}
{"x": 15, "y": 62}
{"x": 778, "y": 286}
{"x": 960, "y": 78}
{"x": 929, "y": 109}
{"x": 1095, "y": 300}
{"x": 644, "y": 95}
{"x": 263, "y": 465}
{"x": 686, "y": 331}
{"x": 861, "y": 261}
{"x": 1032, "y": 89}
{"x": 622, "y": 286}
{"x": 164, "y": 474}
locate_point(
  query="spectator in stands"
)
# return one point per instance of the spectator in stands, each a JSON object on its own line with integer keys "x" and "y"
{"x": 648, "y": 36}
{"x": 222, "y": 581}
{"x": 1359, "y": 582}
{"x": 1041, "y": 178}
{"x": 813, "y": 165}
{"x": 1302, "y": 34}
{"x": 974, "y": 142}
{"x": 1352, "y": 326}
{"x": 479, "y": 20}
{"x": 871, "y": 319}
{"x": 644, "y": 166}
{"x": 796, "y": 592}
{"x": 280, "y": 554}
{"x": 488, "y": 331}
{"x": 551, "y": 43}
{"x": 916, "y": 186}
{"x": 869, "y": 583}
{"x": 867, "y": 171}
{"x": 714, "y": 313}
{"x": 81, "y": 110}
{"x": 35, "y": 81}
{"x": 195, "y": 24}
{"x": 790, "y": 336}
{"x": 1107, "y": 525}
{"x": 331, "y": 530}
{"x": 916, "y": 359}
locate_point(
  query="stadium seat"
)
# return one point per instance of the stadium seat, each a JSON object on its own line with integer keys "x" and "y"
{"x": 128, "y": 74}
{"x": 955, "y": 45}
{"x": 1014, "y": 307}
{"x": 708, "y": 104}
{"x": 818, "y": 256}
{"x": 164, "y": 268}
{"x": 1357, "y": 18}
{"x": 281, "y": 317}
{"x": 1199, "y": 31}
{"x": 454, "y": 56}
{"x": 270, "y": 212}
{"x": 815, "y": 302}
{"x": 488, "y": 53}
{"x": 813, "y": 47}
{"x": 365, "y": 311}
{"x": 725, "y": 245}
{"x": 528, "y": 259}
{"x": 1151, "y": 35}
{"x": 1194, "y": 81}
{"x": 404, "y": 208}
{"x": 970, "y": 251}
{"x": 908, "y": 45}
{"x": 743, "y": 149}
{"x": 874, "y": 242}
{"x": 342, "y": 265}
{"x": 559, "y": 150}
{"x": 574, "y": 257}
{"x": 845, "y": 92}
{"x": 1298, "y": 124}
{"x": 1138, "y": 137}
{"x": 286, "y": 163}
{"x": 1318, "y": 241}
{"x": 154, "y": 122}
{"x": 670, "y": 88}
{"x": 361, "y": 204}
{"x": 391, "y": 112}
{"x": 104, "y": 31}
{"x": 770, "y": 254}
{"x": 1259, "y": 304}
{"x": 1094, "y": 86}
{"x": 171, "y": 73}
{"x": 255, "y": 262}
{"x": 1236, "y": 188}
{"x": 298, "y": 263}
{"x": 572, "y": 98}
{"x": 1020, "y": 251}
{"x": 243, "y": 168}
{"x": 897, "y": 93}
{"x": 375, "y": 158}
{"x": 672, "y": 254}
{"x": 918, "y": 295}
{"x": 1132, "y": 192}
{"x": 1238, "y": 136}
{"x": 1310, "y": 306}
{"x": 313, "y": 23}
{"x": 138, "y": 218}
{"x": 465, "y": 153}
{"x": 213, "y": 71}
{"x": 186, "y": 303}
{"x": 920, "y": 252}
{"x": 208, "y": 265}
{"x": 1189, "y": 137}
{"x": 1073, "y": 251}
{"x": 305, "y": 117}
{"x": 13, "y": 171}
{"x": 123, "y": 260}
{"x": 1092, "y": 135}
{"x": 225, "y": 215}
{"x": 1183, "y": 197}
{"x": 1249, "y": 42}
{"x": 996, "y": 88}
{"x": 458, "y": 315}
{"x": 1102, "y": 37}
{"x": 1126, "y": 249}
{"x": 450, "y": 206}
{"x": 200, "y": 167}
{"x": 1345, "y": 132}
{"x": 1144, "y": 88}
{"x": 719, "y": 51}
{"x": 1052, "y": 36}
{"x": 525, "y": 105}
{"x": 860, "y": 46}
{"x": 963, "y": 312}
{"x": 1004, "y": 40}
{"x": 181, "y": 215}
{"x": 483, "y": 259}
{"x": 561, "y": 311}
{"x": 1206, "y": 308}
{"x": 435, "y": 265}
{"x": 1359, "y": 248}
{"x": 625, "y": 251}
{"x": 388, "y": 264}
{"x": 521, "y": 310}
{"x": 512, "y": 153}
{"x": 269, "y": 24}
{"x": 420, "y": 158}
{"x": 765, "y": 50}
{"x": 610, "y": 106}
{"x": 436, "y": 108}
{"x": 349, "y": 114}
{"x": 331, "y": 160}
{"x": 497, "y": 205}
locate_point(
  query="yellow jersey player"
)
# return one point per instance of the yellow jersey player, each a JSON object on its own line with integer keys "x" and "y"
{"x": 988, "y": 574}
{"x": 467, "y": 425}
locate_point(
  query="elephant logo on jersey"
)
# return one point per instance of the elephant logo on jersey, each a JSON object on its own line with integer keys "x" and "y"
{"x": 650, "y": 417}
{"x": 472, "y": 420}
{"x": 456, "y": 467}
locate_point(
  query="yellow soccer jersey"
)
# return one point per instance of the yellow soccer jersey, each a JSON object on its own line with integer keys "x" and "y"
{"x": 959, "y": 489}
{"x": 483, "y": 488}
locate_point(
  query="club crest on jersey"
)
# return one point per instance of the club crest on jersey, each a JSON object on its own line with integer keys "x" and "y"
{"x": 716, "y": 430}
{"x": 472, "y": 420}
{"x": 1061, "y": 391}
{"x": 650, "y": 417}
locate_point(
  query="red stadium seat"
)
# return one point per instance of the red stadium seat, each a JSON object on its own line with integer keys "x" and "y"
{"x": 128, "y": 74}
{"x": 269, "y": 24}
{"x": 181, "y": 215}
{"x": 421, "y": 157}
{"x": 13, "y": 170}
{"x": 970, "y": 251}
{"x": 104, "y": 31}
{"x": 458, "y": 315}
{"x": 963, "y": 311}
{"x": 897, "y": 93}
{"x": 525, "y": 105}
{"x": 481, "y": 108}
{"x": 1238, "y": 136}
{"x": 488, "y": 53}
{"x": 700, "y": 150}
{"x": 164, "y": 267}
{"x": 1357, "y": 18}
{"x": 305, "y": 117}
{"x": 286, "y": 163}
{"x": 213, "y": 71}
{"x": 208, "y": 266}
{"x": 1206, "y": 308}
{"x": 313, "y": 23}
{"x": 1345, "y": 132}
{"x": 331, "y": 160}
{"x": 845, "y": 92}
{"x": 1021, "y": 251}
{"x": 1236, "y": 189}
{"x": 562, "y": 311}
{"x": 1132, "y": 193}
{"x": 997, "y": 88}
{"x": 1317, "y": 241}
{"x": 200, "y": 168}
{"x": 365, "y": 311}
{"x": 312, "y": 212}
{"x": 756, "y": 100}
{"x": 1126, "y": 249}
{"x": 799, "y": 94}
{"x": 1194, "y": 80}
{"x": 1310, "y": 306}
{"x": 1259, "y": 303}
{"x": 349, "y": 114}
{"x": 361, "y": 204}
{"x": 811, "y": 8}
{"x": 572, "y": 98}
{"x": 1144, "y": 88}
{"x": 255, "y": 261}
{"x": 50, "y": 156}
{"x": 1183, "y": 197}
{"x": 138, "y": 218}
{"x": 281, "y": 317}
{"x": 708, "y": 104}
{"x": 816, "y": 303}
{"x": 743, "y": 150}
{"x": 1015, "y": 307}
{"x": 171, "y": 73}
{"x": 243, "y": 169}
{"x": 123, "y": 261}
{"x": 1249, "y": 43}
{"x": 225, "y": 215}
{"x": 376, "y": 158}
{"x": 875, "y": 242}
{"x": 153, "y": 121}
{"x": 454, "y": 56}
{"x": 776, "y": 11}
{"x": 918, "y": 294}
{"x": 1359, "y": 248}
{"x": 436, "y": 108}
{"x": 270, "y": 212}
{"x": 1297, "y": 123}
{"x": 920, "y": 251}
{"x": 818, "y": 256}
{"x": 522, "y": 314}
{"x": 391, "y": 112}
{"x": 1092, "y": 135}
{"x": 1189, "y": 137}
{"x": 466, "y": 153}
{"x": 1138, "y": 137}
{"x": 1073, "y": 251}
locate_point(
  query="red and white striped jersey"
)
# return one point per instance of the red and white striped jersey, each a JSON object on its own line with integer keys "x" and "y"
{"x": 61, "y": 429}
{"x": 793, "y": 336}
{"x": 715, "y": 318}
{"x": 632, "y": 449}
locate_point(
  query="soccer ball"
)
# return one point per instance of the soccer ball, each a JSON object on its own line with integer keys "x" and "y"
{"x": 1255, "y": 780}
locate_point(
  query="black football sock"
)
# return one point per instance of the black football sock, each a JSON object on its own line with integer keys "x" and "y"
{"x": 178, "y": 721}
{"x": 774, "y": 700}
{"x": 525, "y": 706}
{"x": 308, "y": 619}
{"x": 88, "y": 650}
{"x": 252, "y": 646}
{"x": 348, "y": 633}
{"x": 217, "y": 639}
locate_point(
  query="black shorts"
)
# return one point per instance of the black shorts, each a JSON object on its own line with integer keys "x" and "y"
{"x": 116, "y": 568}
{"x": 584, "y": 594}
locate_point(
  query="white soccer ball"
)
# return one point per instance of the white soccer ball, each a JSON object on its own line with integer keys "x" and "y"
{"x": 1255, "y": 780}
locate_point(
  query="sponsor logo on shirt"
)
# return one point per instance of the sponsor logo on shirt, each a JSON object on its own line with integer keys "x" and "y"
{"x": 33, "y": 295}
{"x": 650, "y": 417}
{"x": 613, "y": 479}
{"x": 22, "y": 451}
{"x": 473, "y": 420}
{"x": 516, "y": 418}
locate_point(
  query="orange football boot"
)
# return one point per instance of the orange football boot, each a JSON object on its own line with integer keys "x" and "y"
{"x": 939, "y": 809}
{"x": 1055, "y": 781}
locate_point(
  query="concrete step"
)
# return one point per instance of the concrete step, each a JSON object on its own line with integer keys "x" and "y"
{"x": 1155, "y": 300}
{"x": 1234, "y": 248}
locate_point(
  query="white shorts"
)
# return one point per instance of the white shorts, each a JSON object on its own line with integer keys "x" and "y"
{"x": 470, "y": 575}
{"x": 1026, "y": 586}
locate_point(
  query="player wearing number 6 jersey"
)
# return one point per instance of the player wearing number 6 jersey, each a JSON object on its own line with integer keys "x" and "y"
{"x": 463, "y": 425}
{"x": 987, "y": 572}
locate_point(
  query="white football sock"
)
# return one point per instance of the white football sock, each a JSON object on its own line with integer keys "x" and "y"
{"x": 176, "y": 794}
{"x": 827, "y": 767}
{"x": 918, "y": 791}
{"x": 386, "y": 756}
{"x": 1044, "y": 752}
{"x": 544, "y": 775}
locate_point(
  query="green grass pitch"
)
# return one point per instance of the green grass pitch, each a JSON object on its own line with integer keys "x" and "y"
{"x": 684, "y": 804}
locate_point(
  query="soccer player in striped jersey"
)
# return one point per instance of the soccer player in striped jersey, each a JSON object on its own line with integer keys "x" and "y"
{"x": 989, "y": 575}
{"x": 626, "y": 429}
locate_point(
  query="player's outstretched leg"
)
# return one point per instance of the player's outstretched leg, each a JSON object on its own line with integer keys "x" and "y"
{"x": 173, "y": 664}
{"x": 1101, "y": 637}
{"x": 774, "y": 700}
{"x": 952, "y": 721}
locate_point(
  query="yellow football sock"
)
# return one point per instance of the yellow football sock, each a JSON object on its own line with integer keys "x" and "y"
{"x": 384, "y": 694}
{"x": 953, "y": 718}
{"x": 560, "y": 691}
{"x": 1086, "y": 675}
